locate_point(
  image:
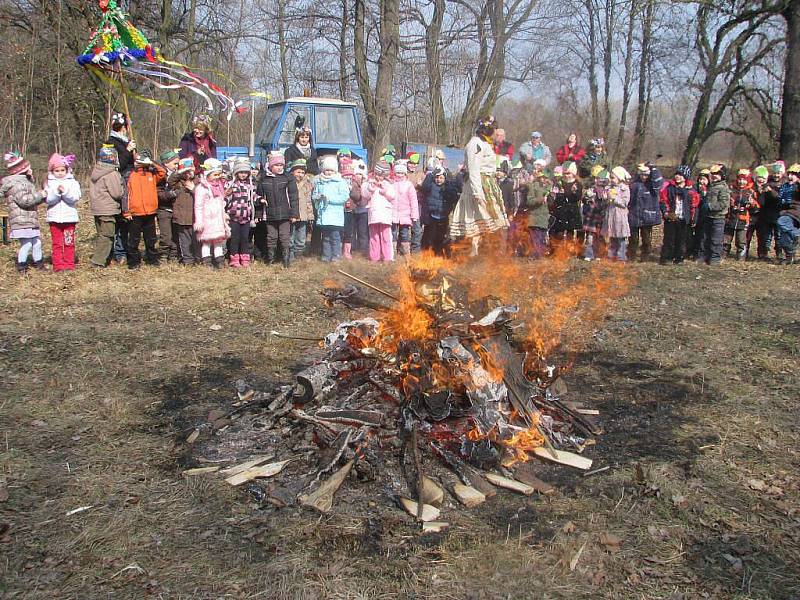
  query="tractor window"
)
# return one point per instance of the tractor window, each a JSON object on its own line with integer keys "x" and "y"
{"x": 268, "y": 125}
{"x": 287, "y": 133}
{"x": 336, "y": 125}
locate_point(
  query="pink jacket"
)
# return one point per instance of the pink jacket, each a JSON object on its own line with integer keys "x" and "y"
{"x": 406, "y": 206}
{"x": 380, "y": 199}
{"x": 210, "y": 218}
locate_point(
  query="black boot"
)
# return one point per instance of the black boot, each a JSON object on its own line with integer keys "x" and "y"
{"x": 286, "y": 260}
{"x": 207, "y": 262}
{"x": 39, "y": 264}
{"x": 22, "y": 267}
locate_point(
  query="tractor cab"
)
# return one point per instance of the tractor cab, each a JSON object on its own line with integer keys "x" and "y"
{"x": 334, "y": 124}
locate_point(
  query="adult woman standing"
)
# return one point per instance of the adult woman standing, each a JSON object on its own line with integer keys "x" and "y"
{"x": 479, "y": 209}
{"x": 571, "y": 151}
{"x": 303, "y": 147}
{"x": 199, "y": 143}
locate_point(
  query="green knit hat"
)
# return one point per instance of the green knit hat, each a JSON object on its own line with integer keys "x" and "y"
{"x": 300, "y": 163}
{"x": 602, "y": 175}
{"x": 761, "y": 171}
{"x": 168, "y": 155}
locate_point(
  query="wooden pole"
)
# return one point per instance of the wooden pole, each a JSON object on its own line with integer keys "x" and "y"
{"x": 125, "y": 103}
{"x": 369, "y": 285}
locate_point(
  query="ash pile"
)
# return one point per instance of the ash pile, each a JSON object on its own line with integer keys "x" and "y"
{"x": 436, "y": 401}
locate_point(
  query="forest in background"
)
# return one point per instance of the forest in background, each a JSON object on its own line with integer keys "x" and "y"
{"x": 686, "y": 80}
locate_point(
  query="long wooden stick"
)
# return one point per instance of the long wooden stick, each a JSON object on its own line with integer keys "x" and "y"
{"x": 369, "y": 285}
{"x": 125, "y": 103}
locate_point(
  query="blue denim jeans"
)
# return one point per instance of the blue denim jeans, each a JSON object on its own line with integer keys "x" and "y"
{"x": 120, "y": 249}
{"x": 789, "y": 233}
{"x": 617, "y": 249}
{"x": 331, "y": 243}
{"x": 538, "y": 241}
{"x": 299, "y": 232}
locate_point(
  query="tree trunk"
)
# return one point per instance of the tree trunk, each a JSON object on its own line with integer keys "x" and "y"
{"x": 593, "y": 89}
{"x": 640, "y": 129}
{"x": 608, "y": 55}
{"x": 432, "y": 58}
{"x": 377, "y": 104}
{"x": 282, "y": 49}
{"x": 626, "y": 94}
{"x": 343, "y": 87}
{"x": 790, "y": 113}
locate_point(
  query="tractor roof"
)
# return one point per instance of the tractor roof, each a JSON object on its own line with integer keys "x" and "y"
{"x": 304, "y": 100}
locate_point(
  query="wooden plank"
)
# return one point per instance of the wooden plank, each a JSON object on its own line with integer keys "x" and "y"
{"x": 255, "y": 472}
{"x": 564, "y": 458}
{"x": 200, "y": 471}
{"x": 509, "y": 484}
{"x": 431, "y": 492}
{"x": 468, "y": 496}
{"x": 587, "y": 411}
{"x": 524, "y": 474}
{"x": 322, "y": 498}
{"x": 429, "y": 513}
{"x": 434, "y": 526}
{"x": 253, "y": 462}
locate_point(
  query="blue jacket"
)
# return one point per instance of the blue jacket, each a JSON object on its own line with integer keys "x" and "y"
{"x": 643, "y": 209}
{"x": 329, "y": 197}
{"x": 436, "y": 200}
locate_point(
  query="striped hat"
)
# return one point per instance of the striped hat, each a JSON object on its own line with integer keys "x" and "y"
{"x": 382, "y": 167}
{"x": 186, "y": 165}
{"x": 107, "y": 155}
{"x": 16, "y": 163}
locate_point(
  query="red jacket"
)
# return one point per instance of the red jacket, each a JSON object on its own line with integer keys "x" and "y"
{"x": 505, "y": 149}
{"x": 566, "y": 153}
{"x": 689, "y": 197}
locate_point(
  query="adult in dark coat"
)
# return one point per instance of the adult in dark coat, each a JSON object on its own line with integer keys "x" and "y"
{"x": 199, "y": 143}
{"x": 125, "y": 147}
{"x": 643, "y": 210}
{"x": 303, "y": 147}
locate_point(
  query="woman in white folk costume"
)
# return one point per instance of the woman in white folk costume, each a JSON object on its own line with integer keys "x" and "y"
{"x": 480, "y": 207}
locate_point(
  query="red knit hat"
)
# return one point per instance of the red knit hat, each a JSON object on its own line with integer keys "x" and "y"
{"x": 16, "y": 163}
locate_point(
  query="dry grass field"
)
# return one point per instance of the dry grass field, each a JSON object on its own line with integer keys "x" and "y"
{"x": 104, "y": 373}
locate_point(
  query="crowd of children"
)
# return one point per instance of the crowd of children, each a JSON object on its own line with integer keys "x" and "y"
{"x": 190, "y": 207}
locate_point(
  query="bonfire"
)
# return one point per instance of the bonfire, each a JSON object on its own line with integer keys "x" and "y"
{"x": 448, "y": 384}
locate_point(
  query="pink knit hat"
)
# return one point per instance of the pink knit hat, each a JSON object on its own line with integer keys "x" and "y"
{"x": 16, "y": 163}
{"x": 57, "y": 160}
{"x": 275, "y": 158}
{"x": 346, "y": 166}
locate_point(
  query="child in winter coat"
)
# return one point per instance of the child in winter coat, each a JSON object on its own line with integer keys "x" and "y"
{"x": 330, "y": 194}
{"x": 359, "y": 234}
{"x": 168, "y": 235}
{"x": 210, "y": 219}
{"x": 379, "y": 194}
{"x": 743, "y": 199}
{"x": 182, "y": 181}
{"x": 615, "y": 224}
{"x": 142, "y": 208}
{"x": 107, "y": 201}
{"x": 695, "y": 244}
{"x": 435, "y": 211}
{"x": 239, "y": 197}
{"x": 305, "y": 184}
{"x": 678, "y": 201}
{"x": 23, "y": 215}
{"x": 565, "y": 204}
{"x": 719, "y": 200}
{"x": 406, "y": 206}
{"x": 595, "y": 203}
{"x": 63, "y": 193}
{"x": 538, "y": 213}
{"x": 278, "y": 194}
{"x": 346, "y": 170}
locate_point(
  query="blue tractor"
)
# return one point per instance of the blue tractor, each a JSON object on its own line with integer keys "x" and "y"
{"x": 334, "y": 124}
